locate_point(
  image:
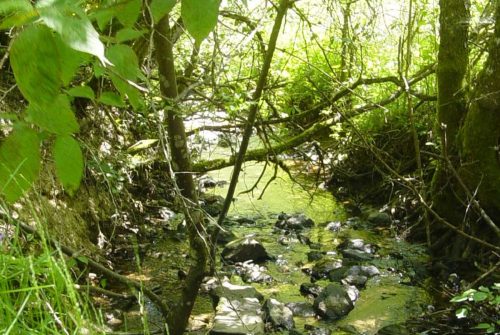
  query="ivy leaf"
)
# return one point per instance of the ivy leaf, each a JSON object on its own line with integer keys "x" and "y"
{"x": 19, "y": 162}
{"x": 160, "y": 8}
{"x": 56, "y": 117}
{"x": 111, "y": 99}
{"x": 73, "y": 26}
{"x": 81, "y": 92}
{"x": 200, "y": 17}
{"x": 68, "y": 160}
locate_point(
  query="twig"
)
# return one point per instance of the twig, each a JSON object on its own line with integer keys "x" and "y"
{"x": 484, "y": 275}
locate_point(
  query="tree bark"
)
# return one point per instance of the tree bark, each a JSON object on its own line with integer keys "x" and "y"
{"x": 451, "y": 106}
{"x": 481, "y": 130}
{"x": 181, "y": 165}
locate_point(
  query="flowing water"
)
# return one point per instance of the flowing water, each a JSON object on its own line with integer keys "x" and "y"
{"x": 387, "y": 299}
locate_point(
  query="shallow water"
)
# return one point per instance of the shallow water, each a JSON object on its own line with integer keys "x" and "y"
{"x": 386, "y": 299}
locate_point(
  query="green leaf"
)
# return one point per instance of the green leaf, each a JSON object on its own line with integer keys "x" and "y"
{"x": 480, "y": 296}
{"x": 127, "y": 34}
{"x": 141, "y": 145}
{"x": 160, "y": 8}
{"x": 128, "y": 12}
{"x": 19, "y": 162}
{"x": 16, "y": 13}
{"x": 200, "y": 17}
{"x": 462, "y": 312}
{"x": 42, "y": 64}
{"x": 111, "y": 99}
{"x": 82, "y": 92}
{"x": 482, "y": 326}
{"x": 56, "y": 117}
{"x": 68, "y": 160}
{"x": 73, "y": 26}
{"x": 14, "y": 6}
{"x": 125, "y": 69}
{"x": 83, "y": 259}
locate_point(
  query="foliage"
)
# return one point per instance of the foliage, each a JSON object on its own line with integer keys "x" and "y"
{"x": 482, "y": 304}
{"x": 38, "y": 294}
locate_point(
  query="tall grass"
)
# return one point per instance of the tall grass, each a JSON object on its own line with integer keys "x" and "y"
{"x": 37, "y": 291}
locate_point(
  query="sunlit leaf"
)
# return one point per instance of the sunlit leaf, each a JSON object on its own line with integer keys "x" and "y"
{"x": 15, "y": 13}
{"x": 141, "y": 145}
{"x": 68, "y": 160}
{"x": 19, "y": 162}
{"x": 129, "y": 12}
{"x": 73, "y": 26}
{"x": 82, "y": 92}
{"x": 462, "y": 313}
{"x": 111, "y": 99}
{"x": 8, "y": 7}
{"x": 127, "y": 34}
{"x": 160, "y": 8}
{"x": 57, "y": 117}
{"x": 200, "y": 17}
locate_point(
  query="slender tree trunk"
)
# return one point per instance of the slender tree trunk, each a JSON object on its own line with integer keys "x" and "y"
{"x": 181, "y": 165}
{"x": 451, "y": 106}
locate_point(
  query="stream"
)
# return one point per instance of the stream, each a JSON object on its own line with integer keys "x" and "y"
{"x": 387, "y": 299}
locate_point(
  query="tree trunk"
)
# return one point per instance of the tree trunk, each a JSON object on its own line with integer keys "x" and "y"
{"x": 481, "y": 131}
{"x": 451, "y": 106}
{"x": 181, "y": 165}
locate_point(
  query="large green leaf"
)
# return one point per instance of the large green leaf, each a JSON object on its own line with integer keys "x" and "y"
{"x": 68, "y": 160}
{"x": 160, "y": 8}
{"x": 42, "y": 63}
{"x": 56, "y": 117}
{"x": 124, "y": 71}
{"x": 15, "y": 13}
{"x": 128, "y": 12}
{"x": 38, "y": 80}
{"x": 200, "y": 17}
{"x": 19, "y": 162}
{"x": 8, "y": 7}
{"x": 73, "y": 26}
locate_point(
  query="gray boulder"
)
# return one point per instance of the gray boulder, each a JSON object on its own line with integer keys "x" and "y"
{"x": 333, "y": 302}
{"x": 294, "y": 222}
{"x": 278, "y": 315}
{"x": 323, "y": 267}
{"x": 238, "y": 317}
{"x": 244, "y": 249}
{"x": 302, "y": 309}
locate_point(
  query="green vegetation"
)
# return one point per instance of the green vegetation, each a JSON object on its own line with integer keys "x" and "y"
{"x": 110, "y": 110}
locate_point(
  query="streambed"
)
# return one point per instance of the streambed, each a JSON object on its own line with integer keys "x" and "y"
{"x": 387, "y": 299}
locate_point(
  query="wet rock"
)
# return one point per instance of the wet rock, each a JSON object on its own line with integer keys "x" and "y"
{"x": 212, "y": 204}
{"x": 368, "y": 271}
{"x": 310, "y": 289}
{"x": 356, "y": 255}
{"x": 253, "y": 273}
{"x": 313, "y": 330}
{"x": 302, "y": 309}
{"x": 279, "y": 315}
{"x": 353, "y": 292}
{"x": 238, "y": 317}
{"x": 293, "y": 222}
{"x": 393, "y": 330}
{"x": 356, "y": 280}
{"x": 225, "y": 236}
{"x": 333, "y": 226}
{"x": 358, "y": 244}
{"x": 337, "y": 275}
{"x": 323, "y": 267}
{"x": 217, "y": 290}
{"x": 314, "y": 255}
{"x": 379, "y": 219}
{"x": 243, "y": 250}
{"x": 206, "y": 182}
{"x": 333, "y": 302}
